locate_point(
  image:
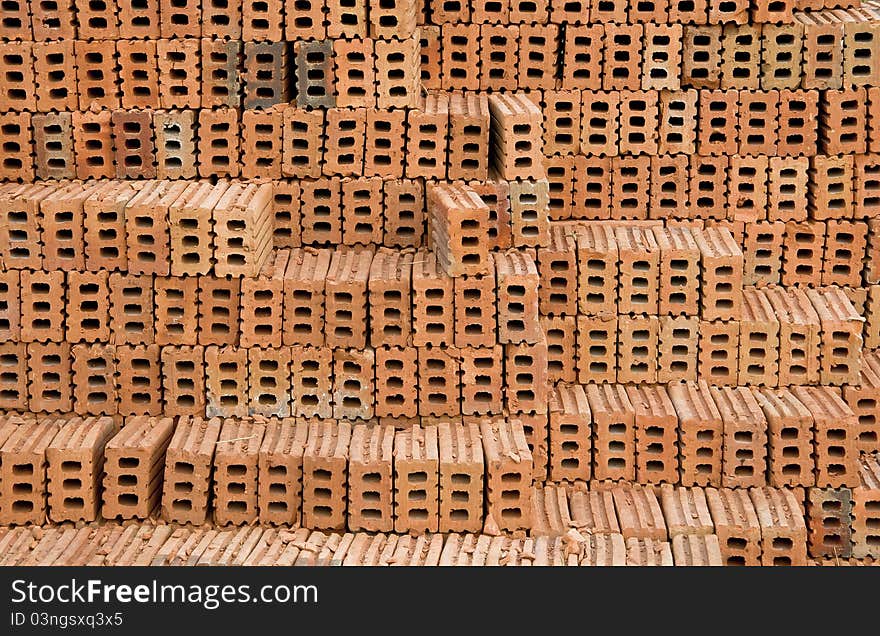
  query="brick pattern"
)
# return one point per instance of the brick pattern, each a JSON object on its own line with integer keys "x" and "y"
{"x": 478, "y": 268}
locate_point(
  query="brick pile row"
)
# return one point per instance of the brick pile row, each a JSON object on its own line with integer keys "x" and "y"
{"x": 476, "y": 475}
{"x": 494, "y": 268}
{"x": 605, "y": 525}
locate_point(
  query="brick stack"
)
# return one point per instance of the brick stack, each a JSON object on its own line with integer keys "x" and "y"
{"x": 599, "y": 275}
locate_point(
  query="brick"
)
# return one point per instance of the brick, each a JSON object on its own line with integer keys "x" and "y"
{"x": 829, "y": 522}
{"x": 288, "y": 215}
{"x": 637, "y": 348}
{"x": 529, "y": 213}
{"x": 845, "y": 246}
{"x": 865, "y": 499}
{"x": 49, "y": 378}
{"x": 73, "y": 467}
{"x": 429, "y": 42}
{"x": 370, "y": 496}
{"x": 42, "y": 306}
{"x": 138, "y": 73}
{"x": 597, "y": 348}
{"x": 517, "y": 293}
{"x": 639, "y": 270}
{"x": 678, "y": 271}
{"x": 427, "y": 134}
{"x": 353, "y": 375}
{"x": 798, "y": 122}
{"x": 20, "y": 232}
{"x": 314, "y": 74}
{"x": 783, "y": 531}
{"x": 499, "y": 54}
{"x": 183, "y": 380}
{"x": 176, "y": 310}
{"x": 183, "y": 19}
{"x": 639, "y": 513}
{"x": 685, "y": 511}
{"x": 389, "y": 286}
{"x": 416, "y": 480}
{"x": 461, "y": 483}
{"x": 96, "y": 74}
{"x": 582, "y": 60}
{"x": 460, "y": 50}
{"x": 226, "y": 382}
{"x": 236, "y": 460}
{"x": 836, "y": 452}
{"x": 175, "y": 141}
{"x": 508, "y": 465}
{"x": 614, "y": 421}
{"x": 482, "y": 379}
{"x": 840, "y": 339}
{"x": 133, "y": 457}
{"x": 561, "y": 335}
{"x": 262, "y": 303}
{"x": 432, "y": 290}
{"x": 220, "y": 81}
{"x": 677, "y": 344}
{"x": 622, "y": 56}
{"x": 782, "y": 54}
{"x": 190, "y": 224}
{"x": 570, "y": 449}
{"x": 538, "y": 44}
{"x": 265, "y": 74}
{"x": 135, "y": 151}
{"x": 280, "y": 476}
{"x": 516, "y": 135}
{"x": 346, "y": 298}
{"x": 218, "y": 145}
{"x": 397, "y": 73}
{"x": 708, "y": 187}
{"x": 53, "y": 142}
{"x": 54, "y": 76}
{"x": 599, "y": 127}
{"x": 138, "y": 20}
{"x": 15, "y": 134}
{"x": 139, "y": 380}
{"x": 469, "y": 125}
{"x": 865, "y": 201}
{"x": 525, "y": 369}
{"x": 863, "y": 400}
{"x": 222, "y": 19}
{"x": 474, "y": 303}
{"x": 736, "y": 524}
{"x": 700, "y": 433}
{"x": 861, "y": 55}
{"x": 701, "y": 56}
{"x": 384, "y": 144}
{"x": 24, "y": 474}
{"x": 394, "y": 365}
{"x": 94, "y": 389}
{"x": 560, "y": 172}
{"x": 345, "y": 138}
{"x": 439, "y": 388}
{"x": 269, "y": 381}
{"x": 656, "y": 435}
{"x": 597, "y": 254}
{"x": 558, "y": 269}
{"x": 261, "y": 144}
{"x": 304, "y": 284}
{"x": 10, "y": 306}
{"x": 696, "y": 550}
{"x": 243, "y": 229}
{"x": 188, "y": 468}
{"x": 147, "y": 227}
{"x": 721, "y": 266}
{"x": 362, "y": 203}
{"x": 758, "y": 340}
{"x": 321, "y": 211}
{"x": 740, "y": 56}
{"x": 311, "y": 372}
{"x": 62, "y": 220}
{"x": 325, "y": 475}
{"x": 677, "y": 122}
{"x": 842, "y": 118}
{"x": 762, "y": 253}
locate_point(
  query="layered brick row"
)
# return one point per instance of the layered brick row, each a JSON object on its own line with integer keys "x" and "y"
{"x": 606, "y": 525}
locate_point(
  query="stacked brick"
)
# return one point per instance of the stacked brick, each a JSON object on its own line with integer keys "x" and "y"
{"x": 444, "y": 282}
